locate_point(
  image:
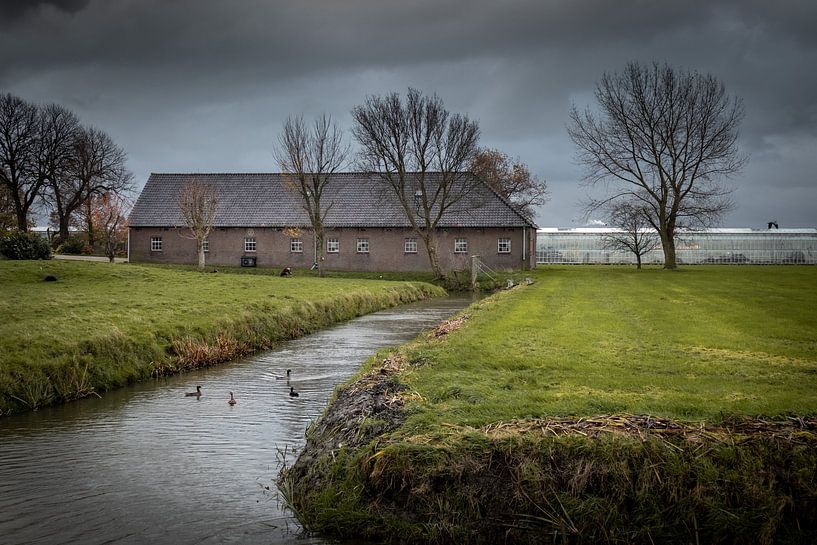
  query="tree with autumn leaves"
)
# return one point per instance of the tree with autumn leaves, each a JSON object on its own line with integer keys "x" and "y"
{"x": 108, "y": 216}
{"x": 511, "y": 179}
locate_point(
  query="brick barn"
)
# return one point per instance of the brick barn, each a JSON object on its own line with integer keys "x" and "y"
{"x": 365, "y": 230}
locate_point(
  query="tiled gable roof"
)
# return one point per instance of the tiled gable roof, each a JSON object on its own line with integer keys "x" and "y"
{"x": 263, "y": 200}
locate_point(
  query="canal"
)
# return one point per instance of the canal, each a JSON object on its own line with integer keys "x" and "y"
{"x": 147, "y": 464}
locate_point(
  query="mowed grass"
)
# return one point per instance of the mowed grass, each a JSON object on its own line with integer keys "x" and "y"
{"x": 118, "y": 322}
{"x": 700, "y": 344}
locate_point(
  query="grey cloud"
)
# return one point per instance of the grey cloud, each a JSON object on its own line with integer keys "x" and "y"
{"x": 198, "y": 85}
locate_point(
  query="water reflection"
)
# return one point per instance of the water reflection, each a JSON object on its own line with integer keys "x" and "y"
{"x": 146, "y": 464}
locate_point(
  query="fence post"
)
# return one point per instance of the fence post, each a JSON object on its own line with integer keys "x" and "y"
{"x": 474, "y": 271}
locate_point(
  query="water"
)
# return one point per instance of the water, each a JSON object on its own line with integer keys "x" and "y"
{"x": 145, "y": 464}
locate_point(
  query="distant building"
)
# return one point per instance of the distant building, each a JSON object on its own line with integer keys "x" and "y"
{"x": 260, "y": 220}
{"x": 731, "y": 246}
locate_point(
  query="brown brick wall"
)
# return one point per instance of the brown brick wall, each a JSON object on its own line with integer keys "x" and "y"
{"x": 386, "y": 248}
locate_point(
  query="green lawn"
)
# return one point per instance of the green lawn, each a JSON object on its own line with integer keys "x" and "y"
{"x": 110, "y": 324}
{"x": 697, "y": 344}
{"x": 489, "y": 440}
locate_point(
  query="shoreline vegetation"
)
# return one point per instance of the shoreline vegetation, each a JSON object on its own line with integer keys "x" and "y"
{"x": 599, "y": 404}
{"x": 100, "y": 326}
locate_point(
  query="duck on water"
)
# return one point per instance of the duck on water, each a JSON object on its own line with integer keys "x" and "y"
{"x": 197, "y": 393}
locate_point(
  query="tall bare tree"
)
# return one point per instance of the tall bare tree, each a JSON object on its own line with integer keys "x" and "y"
{"x": 422, "y": 154}
{"x": 666, "y": 138}
{"x": 512, "y": 179}
{"x": 98, "y": 167}
{"x": 19, "y": 133}
{"x": 309, "y": 157}
{"x": 198, "y": 204}
{"x": 56, "y": 161}
{"x": 635, "y": 233}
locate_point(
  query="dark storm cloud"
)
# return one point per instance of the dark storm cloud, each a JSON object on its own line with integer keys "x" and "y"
{"x": 13, "y": 10}
{"x": 189, "y": 85}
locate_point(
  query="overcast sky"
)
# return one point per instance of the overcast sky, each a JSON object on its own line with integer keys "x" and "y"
{"x": 204, "y": 85}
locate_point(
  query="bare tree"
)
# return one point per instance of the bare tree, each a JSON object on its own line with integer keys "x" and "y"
{"x": 511, "y": 179}
{"x": 57, "y": 143}
{"x": 635, "y": 232}
{"x": 198, "y": 203}
{"x": 19, "y": 131}
{"x": 98, "y": 167}
{"x": 421, "y": 153}
{"x": 309, "y": 158}
{"x": 665, "y": 138}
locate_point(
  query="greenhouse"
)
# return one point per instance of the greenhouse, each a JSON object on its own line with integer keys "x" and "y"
{"x": 729, "y": 246}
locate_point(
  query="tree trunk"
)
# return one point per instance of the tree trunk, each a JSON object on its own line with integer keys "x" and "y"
{"x": 64, "y": 230}
{"x": 22, "y": 219}
{"x": 200, "y": 250}
{"x": 638, "y": 261}
{"x": 319, "y": 252}
{"x": 430, "y": 240}
{"x": 668, "y": 244}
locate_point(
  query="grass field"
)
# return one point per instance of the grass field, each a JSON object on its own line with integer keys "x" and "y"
{"x": 698, "y": 344}
{"x": 598, "y": 405}
{"x": 101, "y": 325}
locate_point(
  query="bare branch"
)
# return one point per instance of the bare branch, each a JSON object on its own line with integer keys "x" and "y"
{"x": 309, "y": 158}
{"x": 666, "y": 138}
{"x": 422, "y": 154}
{"x": 198, "y": 204}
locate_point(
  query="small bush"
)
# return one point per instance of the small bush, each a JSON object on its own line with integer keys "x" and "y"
{"x": 19, "y": 245}
{"x": 73, "y": 245}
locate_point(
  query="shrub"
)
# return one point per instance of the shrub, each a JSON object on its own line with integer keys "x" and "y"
{"x": 72, "y": 245}
{"x": 19, "y": 245}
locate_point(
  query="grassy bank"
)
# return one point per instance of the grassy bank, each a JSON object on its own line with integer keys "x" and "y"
{"x": 100, "y": 326}
{"x": 598, "y": 405}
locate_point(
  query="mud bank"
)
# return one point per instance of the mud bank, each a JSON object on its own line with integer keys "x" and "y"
{"x": 605, "y": 479}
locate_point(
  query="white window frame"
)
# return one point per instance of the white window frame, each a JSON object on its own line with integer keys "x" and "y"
{"x": 363, "y": 245}
{"x": 410, "y": 245}
{"x": 250, "y": 245}
{"x": 460, "y": 245}
{"x": 499, "y": 244}
{"x": 296, "y": 246}
{"x": 332, "y": 246}
{"x": 155, "y": 244}
{"x": 205, "y": 245}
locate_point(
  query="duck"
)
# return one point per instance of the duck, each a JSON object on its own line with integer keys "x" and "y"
{"x": 197, "y": 393}
{"x": 292, "y": 392}
{"x": 279, "y": 377}
{"x": 232, "y": 400}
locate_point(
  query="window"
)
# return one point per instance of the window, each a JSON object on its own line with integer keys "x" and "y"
{"x": 460, "y": 245}
{"x": 503, "y": 246}
{"x": 249, "y": 244}
{"x": 410, "y": 246}
{"x": 155, "y": 244}
{"x": 296, "y": 246}
{"x": 205, "y": 244}
{"x": 332, "y": 246}
{"x": 363, "y": 245}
